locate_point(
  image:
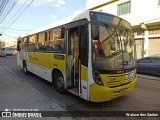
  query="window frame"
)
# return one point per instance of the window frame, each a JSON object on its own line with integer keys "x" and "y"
{"x": 122, "y": 10}
{"x": 56, "y": 42}
{"x": 41, "y": 41}
{"x": 31, "y": 43}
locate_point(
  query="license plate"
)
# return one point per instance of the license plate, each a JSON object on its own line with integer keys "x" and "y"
{"x": 123, "y": 90}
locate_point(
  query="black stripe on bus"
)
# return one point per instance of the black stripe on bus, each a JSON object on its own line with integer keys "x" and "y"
{"x": 115, "y": 71}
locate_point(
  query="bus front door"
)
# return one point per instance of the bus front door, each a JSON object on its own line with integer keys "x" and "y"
{"x": 73, "y": 60}
{"x": 77, "y": 61}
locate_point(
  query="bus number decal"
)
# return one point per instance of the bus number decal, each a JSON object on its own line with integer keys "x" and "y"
{"x": 59, "y": 57}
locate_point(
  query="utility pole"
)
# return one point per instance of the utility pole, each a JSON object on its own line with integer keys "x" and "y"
{"x": 145, "y": 40}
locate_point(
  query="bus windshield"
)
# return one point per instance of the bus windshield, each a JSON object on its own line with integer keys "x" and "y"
{"x": 113, "y": 48}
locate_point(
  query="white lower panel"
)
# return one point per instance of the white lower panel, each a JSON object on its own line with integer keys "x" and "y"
{"x": 40, "y": 71}
{"x": 30, "y": 67}
{"x": 21, "y": 64}
{"x": 84, "y": 94}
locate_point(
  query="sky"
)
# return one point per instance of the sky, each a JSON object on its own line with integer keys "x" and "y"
{"x": 39, "y": 14}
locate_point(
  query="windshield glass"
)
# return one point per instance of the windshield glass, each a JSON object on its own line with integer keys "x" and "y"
{"x": 112, "y": 48}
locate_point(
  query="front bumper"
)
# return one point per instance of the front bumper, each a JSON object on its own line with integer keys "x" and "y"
{"x": 100, "y": 93}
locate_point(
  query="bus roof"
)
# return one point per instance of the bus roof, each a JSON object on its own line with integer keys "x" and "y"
{"x": 83, "y": 15}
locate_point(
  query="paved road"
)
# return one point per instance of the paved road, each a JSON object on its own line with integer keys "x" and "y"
{"x": 20, "y": 91}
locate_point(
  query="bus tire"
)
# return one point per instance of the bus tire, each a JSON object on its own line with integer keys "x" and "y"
{"x": 25, "y": 68}
{"x": 59, "y": 83}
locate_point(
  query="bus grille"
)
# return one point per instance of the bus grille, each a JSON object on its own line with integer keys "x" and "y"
{"x": 116, "y": 84}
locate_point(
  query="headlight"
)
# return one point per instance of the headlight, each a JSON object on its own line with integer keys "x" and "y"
{"x": 130, "y": 76}
{"x": 97, "y": 78}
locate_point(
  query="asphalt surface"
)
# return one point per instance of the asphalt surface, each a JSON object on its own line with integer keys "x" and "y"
{"x": 20, "y": 91}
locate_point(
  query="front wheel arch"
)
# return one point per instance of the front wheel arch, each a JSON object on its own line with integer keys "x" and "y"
{"x": 58, "y": 81}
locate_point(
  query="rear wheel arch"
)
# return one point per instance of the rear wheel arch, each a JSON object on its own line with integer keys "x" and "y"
{"x": 25, "y": 67}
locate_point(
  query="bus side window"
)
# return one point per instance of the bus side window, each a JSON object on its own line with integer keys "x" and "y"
{"x": 25, "y": 44}
{"x": 41, "y": 43}
{"x": 19, "y": 46}
{"x": 48, "y": 40}
{"x": 36, "y": 44}
{"x": 56, "y": 42}
{"x": 84, "y": 45}
{"x": 31, "y": 44}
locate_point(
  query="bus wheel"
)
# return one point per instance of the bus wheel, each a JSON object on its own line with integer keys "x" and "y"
{"x": 25, "y": 68}
{"x": 59, "y": 82}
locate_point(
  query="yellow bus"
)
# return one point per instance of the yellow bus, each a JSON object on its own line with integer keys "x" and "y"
{"x": 92, "y": 56}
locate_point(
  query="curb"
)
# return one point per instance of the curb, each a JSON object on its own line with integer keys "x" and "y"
{"x": 149, "y": 77}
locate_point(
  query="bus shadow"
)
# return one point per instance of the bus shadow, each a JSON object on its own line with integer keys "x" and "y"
{"x": 84, "y": 105}
{"x": 70, "y": 101}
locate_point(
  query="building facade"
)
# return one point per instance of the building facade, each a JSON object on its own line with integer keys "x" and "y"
{"x": 2, "y": 44}
{"x": 144, "y": 16}
{"x": 11, "y": 42}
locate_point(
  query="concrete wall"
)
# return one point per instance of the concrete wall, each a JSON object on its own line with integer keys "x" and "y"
{"x": 93, "y": 3}
{"x": 12, "y": 42}
{"x": 141, "y": 10}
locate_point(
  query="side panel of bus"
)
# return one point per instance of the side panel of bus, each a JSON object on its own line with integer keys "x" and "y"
{"x": 42, "y": 64}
